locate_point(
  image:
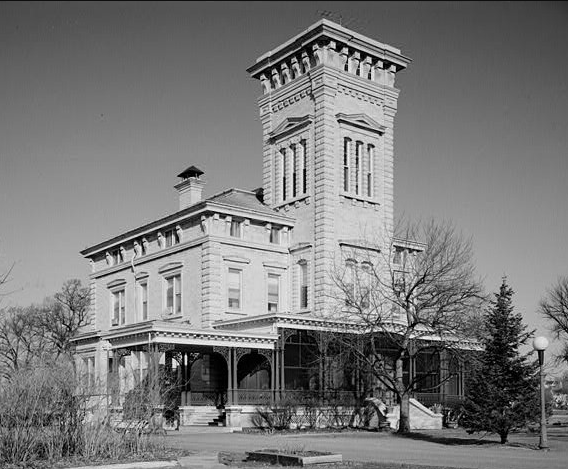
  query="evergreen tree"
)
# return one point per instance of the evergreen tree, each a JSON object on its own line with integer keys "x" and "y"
{"x": 502, "y": 394}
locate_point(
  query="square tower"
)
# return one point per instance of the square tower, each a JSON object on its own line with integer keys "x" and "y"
{"x": 327, "y": 113}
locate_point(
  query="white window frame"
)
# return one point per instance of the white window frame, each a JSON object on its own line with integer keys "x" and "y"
{"x": 239, "y": 272}
{"x": 118, "y": 318}
{"x": 177, "y": 296}
{"x": 278, "y": 303}
{"x": 143, "y": 287}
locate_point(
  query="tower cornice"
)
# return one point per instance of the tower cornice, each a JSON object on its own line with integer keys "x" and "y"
{"x": 321, "y": 34}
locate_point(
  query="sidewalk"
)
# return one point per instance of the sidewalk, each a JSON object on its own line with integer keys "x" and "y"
{"x": 202, "y": 460}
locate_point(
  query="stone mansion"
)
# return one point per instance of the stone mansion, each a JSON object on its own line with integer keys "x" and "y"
{"x": 226, "y": 294}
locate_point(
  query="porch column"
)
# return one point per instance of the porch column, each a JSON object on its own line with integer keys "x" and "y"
{"x": 444, "y": 374}
{"x": 235, "y": 381}
{"x": 282, "y": 364}
{"x": 273, "y": 375}
{"x": 230, "y": 377}
{"x": 412, "y": 369}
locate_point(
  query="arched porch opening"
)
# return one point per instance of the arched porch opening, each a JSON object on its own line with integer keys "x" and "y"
{"x": 207, "y": 380}
{"x": 254, "y": 378}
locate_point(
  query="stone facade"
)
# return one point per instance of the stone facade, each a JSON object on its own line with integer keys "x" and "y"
{"x": 218, "y": 290}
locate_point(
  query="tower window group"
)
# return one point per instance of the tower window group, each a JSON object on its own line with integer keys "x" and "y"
{"x": 358, "y": 168}
{"x": 292, "y": 174}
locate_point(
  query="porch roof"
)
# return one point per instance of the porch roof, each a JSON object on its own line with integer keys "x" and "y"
{"x": 166, "y": 332}
{"x": 273, "y": 321}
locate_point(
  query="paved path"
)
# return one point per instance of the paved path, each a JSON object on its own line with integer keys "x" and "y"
{"x": 435, "y": 447}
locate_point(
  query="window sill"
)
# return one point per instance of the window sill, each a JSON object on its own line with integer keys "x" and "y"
{"x": 235, "y": 312}
{"x": 292, "y": 200}
{"x": 172, "y": 316}
{"x": 360, "y": 198}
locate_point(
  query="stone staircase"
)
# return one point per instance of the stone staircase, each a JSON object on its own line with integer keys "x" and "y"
{"x": 203, "y": 416}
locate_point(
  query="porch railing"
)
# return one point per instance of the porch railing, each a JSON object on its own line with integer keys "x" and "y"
{"x": 445, "y": 400}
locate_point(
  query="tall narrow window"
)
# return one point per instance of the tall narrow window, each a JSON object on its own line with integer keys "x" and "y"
{"x": 284, "y": 160}
{"x": 89, "y": 365}
{"x": 294, "y": 170}
{"x": 173, "y": 295}
{"x": 143, "y": 295}
{"x": 365, "y": 280}
{"x": 349, "y": 282}
{"x": 234, "y": 289}
{"x": 358, "y": 166}
{"x": 346, "y": 156}
{"x": 303, "y": 286}
{"x": 304, "y": 166}
{"x": 118, "y": 308}
{"x": 370, "y": 161}
{"x": 273, "y": 292}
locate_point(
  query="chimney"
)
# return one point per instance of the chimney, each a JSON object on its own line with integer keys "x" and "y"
{"x": 190, "y": 187}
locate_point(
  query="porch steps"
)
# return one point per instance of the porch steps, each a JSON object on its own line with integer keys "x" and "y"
{"x": 208, "y": 417}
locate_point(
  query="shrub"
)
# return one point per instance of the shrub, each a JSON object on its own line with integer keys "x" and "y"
{"x": 276, "y": 417}
{"x": 42, "y": 418}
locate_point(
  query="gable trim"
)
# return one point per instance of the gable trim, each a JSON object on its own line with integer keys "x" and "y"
{"x": 362, "y": 121}
{"x": 289, "y": 125}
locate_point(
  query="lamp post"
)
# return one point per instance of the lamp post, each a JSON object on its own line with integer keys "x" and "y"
{"x": 540, "y": 344}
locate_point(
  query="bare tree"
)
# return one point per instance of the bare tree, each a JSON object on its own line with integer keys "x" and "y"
{"x": 4, "y": 279}
{"x": 554, "y": 307}
{"x": 23, "y": 342}
{"x": 41, "y": 333}
{"x": 64, "y": 314}
{"x": 407, "y": 298}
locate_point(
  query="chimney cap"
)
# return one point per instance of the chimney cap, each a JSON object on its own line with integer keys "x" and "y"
{"x": 192, "y": 171}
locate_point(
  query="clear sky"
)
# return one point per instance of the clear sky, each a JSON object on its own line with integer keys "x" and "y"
{"x": 102, "y": 104}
